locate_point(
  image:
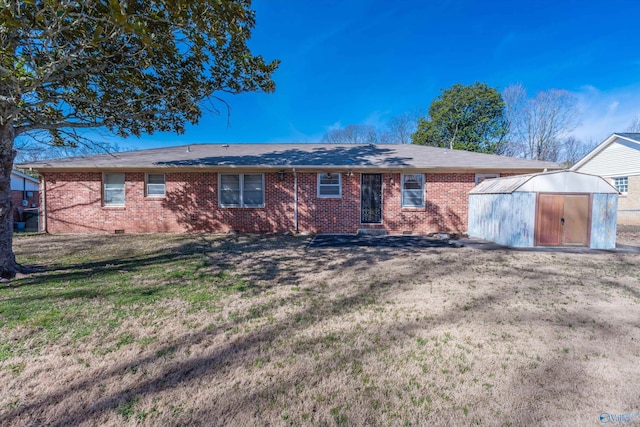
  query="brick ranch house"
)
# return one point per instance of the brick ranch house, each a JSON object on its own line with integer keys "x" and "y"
{"x": 315, "y": 188}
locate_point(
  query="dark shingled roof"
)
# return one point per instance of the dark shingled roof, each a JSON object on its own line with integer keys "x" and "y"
{"x": 633, "y": 136}
{"x": 301, "y": 156}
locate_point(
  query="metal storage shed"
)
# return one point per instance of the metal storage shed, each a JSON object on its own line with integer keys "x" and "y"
{"x": 559, "y": 208}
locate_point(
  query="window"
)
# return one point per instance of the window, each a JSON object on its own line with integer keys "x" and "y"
{"x": 242, "y": 190}
{"x": 329, "y": 185}
{"x": 621, "y": 184}
{"x": 482, "y": 176}
{"x": 155, "y": 185}
{"x": 413, "y": 191}
{"x": 113, "y": 193}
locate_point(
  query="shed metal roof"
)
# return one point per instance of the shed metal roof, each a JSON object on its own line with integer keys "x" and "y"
{"x": 302, "y": 156}
{"x": 563, "y": 181}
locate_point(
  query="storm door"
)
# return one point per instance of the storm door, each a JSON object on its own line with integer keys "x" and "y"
{"x": 371, "y": 198}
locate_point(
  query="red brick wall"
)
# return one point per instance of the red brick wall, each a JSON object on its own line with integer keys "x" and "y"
{"x": 74, "y": 204}
{"x": 328, "y": 215}
{"x": 446, "y": 202}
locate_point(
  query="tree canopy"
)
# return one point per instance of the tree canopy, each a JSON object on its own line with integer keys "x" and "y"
{"x": 130, "y": 66}
{"x": 463, "y": 117}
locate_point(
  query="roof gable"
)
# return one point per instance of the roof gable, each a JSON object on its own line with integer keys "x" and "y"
{"x": 20, "y": 175}
{"x": 617, "y": 155}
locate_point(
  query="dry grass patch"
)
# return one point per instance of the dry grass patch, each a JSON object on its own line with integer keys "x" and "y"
{"x": 261, "y": 330}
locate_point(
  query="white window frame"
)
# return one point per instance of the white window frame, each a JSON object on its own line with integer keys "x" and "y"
{"x": 148, "y": 185}
{"x": 403, "y": 178}
{"x": 339, "y": 185}
{"x": 105, "y": 189}
{"x": 482, "y": 176}
{"x": 241, "y": 183}
{"x": 621, "y": 185}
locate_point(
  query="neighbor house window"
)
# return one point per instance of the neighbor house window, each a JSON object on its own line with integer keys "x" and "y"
{"x": 621, "y": 184}
{"x": 113, "y": 192}
{"x": 482, "y": 176}
{"x": 413, "y": 191}
{"x": 329, "y": 185}
{"x": 155, "y": 185}
{"x": 242, "y": 190}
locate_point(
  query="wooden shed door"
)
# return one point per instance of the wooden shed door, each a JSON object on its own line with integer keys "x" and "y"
{"x": 562, "y": 220}
{"x": 576, "y": 220}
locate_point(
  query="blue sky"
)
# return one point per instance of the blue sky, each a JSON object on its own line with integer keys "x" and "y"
{"x": 363, "y": 62}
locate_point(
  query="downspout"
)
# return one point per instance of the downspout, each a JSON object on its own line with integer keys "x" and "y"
{"x": 43, "y": 213}
{"x": 295, "y": 201}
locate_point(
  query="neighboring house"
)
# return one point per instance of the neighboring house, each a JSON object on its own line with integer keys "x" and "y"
{"x": 24, "y": 194}
{"x": 316, "y": 188}
{"x": 617, "y": 159}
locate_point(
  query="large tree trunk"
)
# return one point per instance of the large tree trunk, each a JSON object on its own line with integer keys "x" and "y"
{"x": 8, "y": 265}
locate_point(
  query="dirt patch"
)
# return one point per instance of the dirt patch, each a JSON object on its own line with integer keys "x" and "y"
{"x": 349, "y": 336}
{"x": 628, "y": 235}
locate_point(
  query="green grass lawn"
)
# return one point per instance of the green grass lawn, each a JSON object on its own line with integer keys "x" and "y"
{"x": 255, "y": 330}
{"x": 91, "y": 294}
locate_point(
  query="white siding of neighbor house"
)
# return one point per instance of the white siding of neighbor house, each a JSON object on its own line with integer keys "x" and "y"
{"x": 620, "y": 158}
{"x": 18, "y": 183}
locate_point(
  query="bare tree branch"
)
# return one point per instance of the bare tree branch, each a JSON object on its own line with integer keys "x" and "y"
{"x": 634, "y": 126}
{"x": 538, "y": 125}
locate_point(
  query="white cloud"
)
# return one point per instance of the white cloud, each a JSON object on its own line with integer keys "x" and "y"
{"x": 606, "y": 112}
{"x": 296, "y": 135}
{"x": 377, "y": 119}
{"x": 334, "y": 126}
